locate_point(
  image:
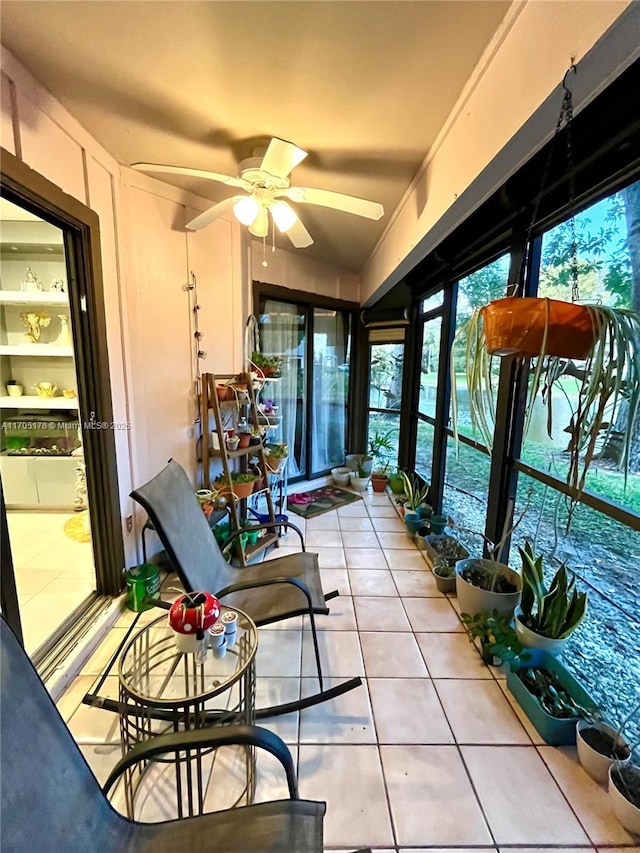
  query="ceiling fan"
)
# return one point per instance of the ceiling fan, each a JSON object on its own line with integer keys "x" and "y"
{"x": 267, "y": 180}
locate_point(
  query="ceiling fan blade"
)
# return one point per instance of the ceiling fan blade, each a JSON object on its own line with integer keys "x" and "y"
{"x": 192, "y": 173}
{"x": 281, "y": 157}
{"x": 338, "y": 201}
{"x": 213, "y": 213}
{"x": 299, "y": 235}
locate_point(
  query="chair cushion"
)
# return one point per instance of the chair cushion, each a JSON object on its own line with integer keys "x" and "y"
{"x": 282, "y": 826}
{"x": 270, "y": 603}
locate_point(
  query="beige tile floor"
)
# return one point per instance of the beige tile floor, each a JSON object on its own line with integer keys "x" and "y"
{"x": 429, "y": 754}
{"x": 54, "y": 574}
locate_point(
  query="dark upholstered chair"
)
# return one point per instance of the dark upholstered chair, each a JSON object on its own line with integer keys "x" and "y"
{"x": 268, "y": 592}
{"x": 51, "y": 801}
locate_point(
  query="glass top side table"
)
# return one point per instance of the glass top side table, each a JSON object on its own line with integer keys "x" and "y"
{"x": 163, "y": 689}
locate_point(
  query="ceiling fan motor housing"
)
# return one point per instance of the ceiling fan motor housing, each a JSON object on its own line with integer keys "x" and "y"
{"x": 250, "y": 171}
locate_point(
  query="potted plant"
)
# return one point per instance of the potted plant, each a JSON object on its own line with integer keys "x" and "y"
{"x": 600, "y": 745}
{"x": 380, "y": 447}
{"x": 379, "y": 477}
{"x": 445, "y": 550}
{"x": 445, "y": 577}
{"x": 359, "y": 479}
{"x": 498, "y": 641}
{"x": 606, "y": 338}
{"x": 274, "y": 454}
{"x": 269, "y": 365}
{"x": 242, "y": 484}
{"x": 550, "y": 696}
{"x": 396, "y": 483}
{"x": 624, "y": 794}
{"x": 485, "y": 584}
{"x": 416, "y": 495}
{"x": 548, "y": 615}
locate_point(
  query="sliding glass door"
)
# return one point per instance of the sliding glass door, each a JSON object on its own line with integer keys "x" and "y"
{"x": 313, "y": 344}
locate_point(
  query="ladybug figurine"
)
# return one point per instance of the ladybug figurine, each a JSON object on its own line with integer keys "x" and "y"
{"x": 190, "y": 616}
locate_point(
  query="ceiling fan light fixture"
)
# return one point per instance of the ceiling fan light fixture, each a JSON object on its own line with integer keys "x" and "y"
{"x": 284, "y": 216}
{"x": 260, "y": 226}
{"x": 246, "y": 210}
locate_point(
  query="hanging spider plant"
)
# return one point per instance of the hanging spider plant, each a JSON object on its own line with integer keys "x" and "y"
{"x": 607, "y": 377}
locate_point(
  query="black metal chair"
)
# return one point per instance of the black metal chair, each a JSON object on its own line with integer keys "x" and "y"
{"x": 51, "y": 801}
{"x": 269, "y": 592}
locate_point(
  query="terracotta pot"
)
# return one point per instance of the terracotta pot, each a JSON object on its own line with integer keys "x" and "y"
{"x": 245, "y": 439}
{"x": 225, "y": 393}
{"x": 516, "y": 326}
{"x": 243, "y": 490}
{"x": 379, "y": 482}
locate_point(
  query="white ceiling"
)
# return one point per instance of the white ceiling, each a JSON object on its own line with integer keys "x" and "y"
{"x": 363, "y": 86}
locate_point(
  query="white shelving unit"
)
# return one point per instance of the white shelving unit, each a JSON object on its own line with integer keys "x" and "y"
{"x": 36, "y": 350}
{"x": 29, "y": 402}
{"x": 36, "y": 480}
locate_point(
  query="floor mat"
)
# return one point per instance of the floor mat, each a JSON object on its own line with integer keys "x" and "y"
{"x": 317, "y": 501}
{"x": 77, "y": 528}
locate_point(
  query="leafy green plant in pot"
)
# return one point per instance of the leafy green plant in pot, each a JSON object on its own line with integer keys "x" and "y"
{"x": 607, "y": 377}
{"x": 498, "y": 641}
{"x": 548, "y": 615}
{"x": 416, "y": 496}
{"x": 380, "y": 449}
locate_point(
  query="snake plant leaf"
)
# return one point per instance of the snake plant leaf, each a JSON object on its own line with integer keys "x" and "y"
{"x": 575, "y": 614}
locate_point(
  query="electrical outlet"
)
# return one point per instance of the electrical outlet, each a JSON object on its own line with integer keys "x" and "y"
{"x": 129, "y": 523}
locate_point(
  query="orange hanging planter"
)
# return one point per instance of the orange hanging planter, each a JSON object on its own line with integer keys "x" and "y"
{"x": 516, "y": 326}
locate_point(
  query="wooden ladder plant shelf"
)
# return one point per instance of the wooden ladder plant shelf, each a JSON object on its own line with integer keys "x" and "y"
{"x": 230, "y": 397}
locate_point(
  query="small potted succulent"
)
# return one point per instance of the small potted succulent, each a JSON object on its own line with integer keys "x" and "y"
{"x": 547, "y": 615}
{"x": 445, "y": 576}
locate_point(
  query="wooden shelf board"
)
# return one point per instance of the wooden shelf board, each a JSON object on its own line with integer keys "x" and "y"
{"x": 261, "y": 545}
{"x": 235, "y": 454}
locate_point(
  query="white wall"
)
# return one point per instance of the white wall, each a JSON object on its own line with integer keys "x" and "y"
{"x": 504, "y": 114}
{"x": 147, "y": 258}
{"x": 293, "y": 270}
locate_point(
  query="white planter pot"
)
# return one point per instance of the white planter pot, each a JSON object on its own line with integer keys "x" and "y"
{"x": 531, "y": 640}
{"x": 358, "y": 483}
{"x": 188, "y": 643}
{"x": 626, "y": 812}
{"x": 341, "y": 476}
{"x": 473, "y": 600}
{"x": 595, "y": 763}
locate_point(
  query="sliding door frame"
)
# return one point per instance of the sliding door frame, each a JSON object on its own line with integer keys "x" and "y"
{"x": 81, "y": 228}
{"x": 354, "y": 421}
